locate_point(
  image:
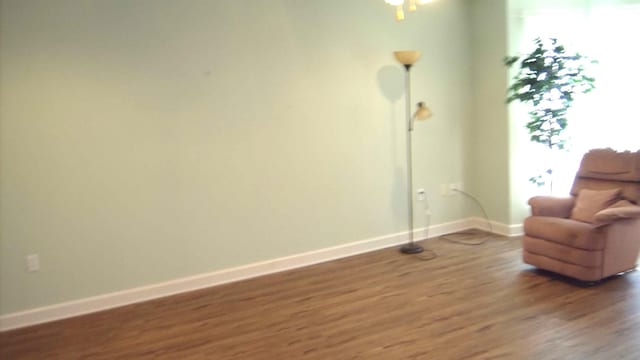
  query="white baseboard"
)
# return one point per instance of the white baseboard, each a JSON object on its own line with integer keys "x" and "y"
{"x": 154, "y": 291}
{"x": 496, "y": 227}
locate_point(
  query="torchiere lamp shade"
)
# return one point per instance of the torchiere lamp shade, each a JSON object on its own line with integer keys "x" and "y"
{"x": 407, "y": 57}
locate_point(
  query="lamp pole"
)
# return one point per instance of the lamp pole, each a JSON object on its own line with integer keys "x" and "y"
{"x": 411, "y": 247}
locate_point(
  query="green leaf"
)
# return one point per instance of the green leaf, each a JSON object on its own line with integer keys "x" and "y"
{"x": 547, "y": 80}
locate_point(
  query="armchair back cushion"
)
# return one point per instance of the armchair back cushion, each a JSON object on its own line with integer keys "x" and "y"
{"x": 603, "y": 169}
{"x": 590, "y": 202}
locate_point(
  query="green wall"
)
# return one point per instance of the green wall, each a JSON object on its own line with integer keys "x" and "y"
{"x": 144, "y": 141}
{"x": 488, "y": 157}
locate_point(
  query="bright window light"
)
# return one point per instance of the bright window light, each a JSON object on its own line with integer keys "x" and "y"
{"x": 608, "y": 116}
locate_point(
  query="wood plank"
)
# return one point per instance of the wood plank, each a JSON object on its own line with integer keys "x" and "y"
{"x": 471, "y": 302}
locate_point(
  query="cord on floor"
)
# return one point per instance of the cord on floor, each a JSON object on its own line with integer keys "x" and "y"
{"x": 470, "y": 237}
{"x": 467, "y": 237}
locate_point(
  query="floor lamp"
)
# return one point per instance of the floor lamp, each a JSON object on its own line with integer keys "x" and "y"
{"x": 407, "y": 59}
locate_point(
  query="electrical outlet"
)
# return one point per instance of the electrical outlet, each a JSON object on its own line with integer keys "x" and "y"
{"x": 420, "y": 195}
{"x": 32, "y": 262}
{"x": 455, "y": 187}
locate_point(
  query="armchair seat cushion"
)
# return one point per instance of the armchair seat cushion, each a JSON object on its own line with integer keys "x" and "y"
{"x": 566, "y": 232}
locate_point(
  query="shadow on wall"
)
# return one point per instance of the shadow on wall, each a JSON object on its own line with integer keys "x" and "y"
{"x": 391, "y": 82}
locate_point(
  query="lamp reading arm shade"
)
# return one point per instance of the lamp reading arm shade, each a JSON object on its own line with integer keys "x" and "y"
{"x": 423, "y": 112}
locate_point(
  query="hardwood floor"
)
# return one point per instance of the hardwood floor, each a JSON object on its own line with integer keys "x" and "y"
{"x": 472, "y": 302}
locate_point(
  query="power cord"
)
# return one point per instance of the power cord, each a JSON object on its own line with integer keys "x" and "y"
{"x": 467, "y": 237}
{"x": 427, "y": 254}
{"x": 470, "y": 237}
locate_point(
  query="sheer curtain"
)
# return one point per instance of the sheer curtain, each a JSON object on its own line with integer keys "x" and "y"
{"x": 609, "y": 116}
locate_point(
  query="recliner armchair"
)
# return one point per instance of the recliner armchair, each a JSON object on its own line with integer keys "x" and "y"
{"x": 594, "y": 233}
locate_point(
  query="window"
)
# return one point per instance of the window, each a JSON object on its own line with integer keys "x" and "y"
{"x": 609, "y": 116}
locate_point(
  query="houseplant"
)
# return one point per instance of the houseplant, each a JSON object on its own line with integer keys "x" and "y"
{"x": 547, "y": 81}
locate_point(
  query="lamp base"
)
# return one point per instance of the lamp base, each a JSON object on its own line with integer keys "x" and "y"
{"x": 411, "y": 248}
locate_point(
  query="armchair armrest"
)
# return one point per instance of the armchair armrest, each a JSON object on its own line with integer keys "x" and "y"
{"x": 621, "y": 210}
{"x": 551, "y": 206}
